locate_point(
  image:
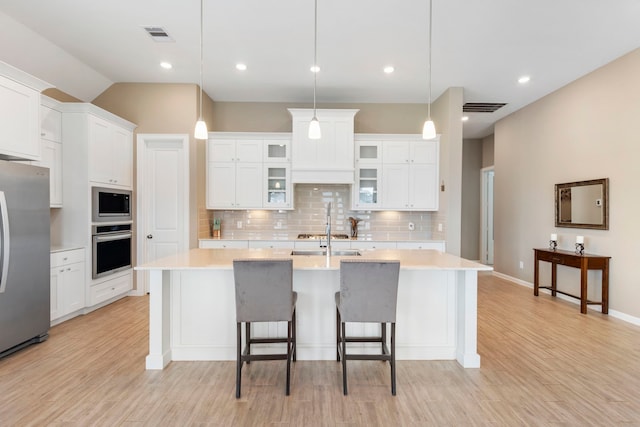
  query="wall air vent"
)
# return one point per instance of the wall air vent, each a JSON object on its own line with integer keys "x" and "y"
{"x": 158, "y": 34}
{"x": 482, "y": 107}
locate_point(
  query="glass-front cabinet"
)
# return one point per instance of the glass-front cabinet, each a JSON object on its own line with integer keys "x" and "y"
{"x": 366, "y": 193}
{"x": 277, "y": 151}
{"x": 278, "y": 192}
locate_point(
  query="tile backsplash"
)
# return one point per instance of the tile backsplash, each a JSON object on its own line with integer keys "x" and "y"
{"x": 309, "y": 216}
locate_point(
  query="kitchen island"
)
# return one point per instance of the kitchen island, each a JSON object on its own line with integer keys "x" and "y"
{"x": 192, "y": 305}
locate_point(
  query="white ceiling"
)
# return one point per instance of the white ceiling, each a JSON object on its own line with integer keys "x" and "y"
{"x": 482, "y": 46}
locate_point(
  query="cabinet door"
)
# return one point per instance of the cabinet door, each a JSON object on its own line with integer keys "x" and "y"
{"x": 277, "y": 179}
{"x": 122, "y": 157}
{"x": 19, "y": 120}
{"x": 276, "y": 151}
{"x": 221, "y": 185}
{"x": 424, "y": 152}
{"x": 221, "y": 150}
{"x": 395, "y": 189}
{"x": 54, "y": 282}
{"x": 73, "y": 287}
{"x": 52, "y": 159}
{"x": 423, "y": 186}
{"x": 248, "y": 185}
{"x": 395, "y": 152}
{"x": 366, "y": 191}
{"x": 50, "y": 124}
{"x": 368, "y": 152}
{"x": 100, "y": 151}
{"x": 249, "y": 150}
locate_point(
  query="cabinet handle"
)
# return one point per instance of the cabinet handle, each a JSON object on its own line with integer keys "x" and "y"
{"x": 149, "y": 236}
{"x": 42, "y": 134}
{"x": 62, "y": 271}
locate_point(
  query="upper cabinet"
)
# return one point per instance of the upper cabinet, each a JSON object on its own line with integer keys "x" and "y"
{"x": 248, "y": 171}
{"x": 51, "y": 147}
{"x": 110, "y": 153}
{"x": 328, "y": 160}
{"x": 396, "y": 172}
{"x": 19, "y": 114}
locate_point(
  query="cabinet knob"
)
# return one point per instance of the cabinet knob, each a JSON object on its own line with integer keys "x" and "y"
{"x": 149, "y": 236}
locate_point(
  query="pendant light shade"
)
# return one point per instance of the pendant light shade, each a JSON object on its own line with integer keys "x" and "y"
{"x": 314, "y": 125}
{"x": 429, "y": 128}
{"x": 314, "y": 128}
{"x": 201, "y": 127}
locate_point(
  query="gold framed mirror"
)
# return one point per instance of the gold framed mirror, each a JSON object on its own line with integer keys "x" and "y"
{"x": 583, "y": 204}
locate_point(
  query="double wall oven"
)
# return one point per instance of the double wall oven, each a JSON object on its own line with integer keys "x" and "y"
{"x": 111, "y": 231}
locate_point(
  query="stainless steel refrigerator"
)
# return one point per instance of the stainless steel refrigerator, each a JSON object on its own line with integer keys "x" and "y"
{"x": 24, "y": 256}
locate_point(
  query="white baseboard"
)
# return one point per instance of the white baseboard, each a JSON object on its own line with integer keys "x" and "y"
{"x": 613, "y": 313}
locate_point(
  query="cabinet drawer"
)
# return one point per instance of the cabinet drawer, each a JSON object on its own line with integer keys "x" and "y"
{"x": 109, "y": 289}
{"x": 67, "y": 257}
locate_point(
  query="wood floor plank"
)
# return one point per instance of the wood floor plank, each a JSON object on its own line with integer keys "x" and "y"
{"x": 543, "y": 364}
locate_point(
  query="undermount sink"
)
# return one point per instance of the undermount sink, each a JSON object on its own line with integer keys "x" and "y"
{"x": 309, "y": 252}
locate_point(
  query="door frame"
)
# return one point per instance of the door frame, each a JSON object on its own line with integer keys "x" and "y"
{"x": 142, "y": 282}
{"x": 486, "y": 215}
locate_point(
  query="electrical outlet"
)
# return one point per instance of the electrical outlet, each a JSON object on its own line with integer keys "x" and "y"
{"x": 521, "y": 265}
{"x": 439, "y": 227}
{"x": 412, "y": 226}
{"x": 239, "y": 224}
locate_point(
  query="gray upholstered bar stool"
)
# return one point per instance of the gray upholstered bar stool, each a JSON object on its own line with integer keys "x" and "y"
{"x": 368, "y": 293}
{"x": 264, "y": 293}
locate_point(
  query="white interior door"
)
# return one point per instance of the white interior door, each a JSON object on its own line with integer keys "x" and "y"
{"x": 486, "y": 237}
{"x": 163, "y": 198}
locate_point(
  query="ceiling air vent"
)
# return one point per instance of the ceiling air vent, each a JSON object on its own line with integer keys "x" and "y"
{"x": 158, "y": 34}
{"x": 482, "y": 107}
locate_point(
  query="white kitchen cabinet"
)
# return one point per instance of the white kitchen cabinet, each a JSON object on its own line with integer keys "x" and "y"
{"x": 328, "y": 160}
{"x": 110, "y": 153}
{"x": 19, "y": 114}
{"x": 410, "y": 175}
{"x": 373, "y": 244}
{"x": 435, "y": 244}
{"x": 110, "y": 288}
{"x": 67, "y": 283}
{"x": 278, "y": 191}
{"x": 366, "y": 191}
{"x": 51, "y": 158}
{"x": 277, "y": 151}
{"x": 50, "y": 123}
{"x": 234, "y": 185}
{"x": 271, "y": 244}
{"x": 222, "y": 244}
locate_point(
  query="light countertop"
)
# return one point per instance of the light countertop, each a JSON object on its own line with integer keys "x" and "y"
{"x": 410, "y": 259}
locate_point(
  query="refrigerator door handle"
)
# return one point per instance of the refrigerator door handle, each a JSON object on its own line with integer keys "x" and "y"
{"x": 4, "y": 244}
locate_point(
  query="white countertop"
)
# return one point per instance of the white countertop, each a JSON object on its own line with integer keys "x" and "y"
{"x": 221, "y": 259}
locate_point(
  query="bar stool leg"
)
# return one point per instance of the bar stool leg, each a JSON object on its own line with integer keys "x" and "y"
{"x": 295, "y": 351}
{"x": 248, "y": 338}
{"x": 289, "y": 353}
{"x": 393, "y": 359}
{"x": 344, "y": 359}
{"x": 238, "y": 359}
{"x": 337, "y": 335}
{"x": 383, "y": 335}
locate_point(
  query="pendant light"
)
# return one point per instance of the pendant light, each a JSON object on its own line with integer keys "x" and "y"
{"x": 201, "y": 127}
{"x": 314, "y": 125}
{"x": 429, "y": 129}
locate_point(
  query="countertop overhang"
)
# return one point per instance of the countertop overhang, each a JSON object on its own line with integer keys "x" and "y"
{"x": 222, "y": 259}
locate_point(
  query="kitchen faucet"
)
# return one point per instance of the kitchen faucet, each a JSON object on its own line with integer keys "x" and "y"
{"x": 329, "y": 228}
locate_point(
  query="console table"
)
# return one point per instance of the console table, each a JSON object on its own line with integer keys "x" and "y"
{"x": 584, "y": 262}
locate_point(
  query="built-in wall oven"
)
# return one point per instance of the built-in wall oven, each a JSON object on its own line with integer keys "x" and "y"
{"x": 111, "y": 249}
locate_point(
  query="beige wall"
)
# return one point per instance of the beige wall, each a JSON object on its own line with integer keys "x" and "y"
{"x": 447, "y": 116}
{"x": 470, "y": 204}
{"x": 274, "y": 117}
{"x": 586, "y": 130}
{"x": 487, "y": 151}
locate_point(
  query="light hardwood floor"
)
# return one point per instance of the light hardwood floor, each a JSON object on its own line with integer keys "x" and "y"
{"x": 543, "y": 363}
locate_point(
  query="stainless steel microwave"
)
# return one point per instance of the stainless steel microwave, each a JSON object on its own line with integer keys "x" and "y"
{"x": 110, "y": 205}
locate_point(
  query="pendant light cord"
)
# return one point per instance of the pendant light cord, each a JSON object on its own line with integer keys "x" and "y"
{"x": 315, "y": 53}
{"x": 429, "y": 67}
{"x": 201, "y": 50}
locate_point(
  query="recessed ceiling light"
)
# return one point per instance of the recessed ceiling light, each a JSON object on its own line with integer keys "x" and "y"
{"x": 465, "y": 118}
{"x": 166, "y": 65}
{"x": 315, "y": 69}
{"x": 241, "y": 67}
{"x": 389, "y": 69}
{"x": 524, "y": 79}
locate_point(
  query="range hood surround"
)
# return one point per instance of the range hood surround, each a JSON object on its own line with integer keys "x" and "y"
{"x": 329, "y": 160}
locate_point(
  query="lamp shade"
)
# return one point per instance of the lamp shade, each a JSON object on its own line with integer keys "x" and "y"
{"x": 201, "y": 130}
{"x": 428, "y": 130}
{"x": 314, "y": 129}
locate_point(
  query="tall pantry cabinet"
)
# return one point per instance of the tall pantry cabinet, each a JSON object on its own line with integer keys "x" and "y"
{"x": 99, "y": 145}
